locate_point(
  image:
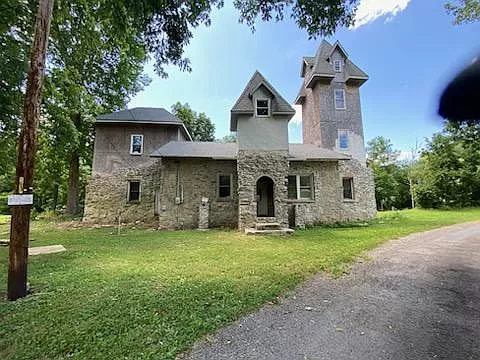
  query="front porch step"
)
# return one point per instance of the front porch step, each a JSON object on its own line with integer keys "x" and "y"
{"x": 280, "y": 231}
{"x": 267, "y": 226}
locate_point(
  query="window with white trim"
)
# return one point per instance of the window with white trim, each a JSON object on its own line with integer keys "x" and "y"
{"x": 262, "y": 107}
{"x": 337, "y": 65}
{"x": 347, "y": 184}
{"x": 224, "y": 186}
{"x": 300, "y": 187}
{"x": 134, "y": 191}
{"x": 339, "y": 99}
{"x": 136, "y": 145}
{"x": 343, "y": 139}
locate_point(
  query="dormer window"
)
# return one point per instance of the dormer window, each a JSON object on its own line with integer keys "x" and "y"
{"x": 136, "y": 145}
{"x": 262, "y": 107}
{"x": 337, "y": 65}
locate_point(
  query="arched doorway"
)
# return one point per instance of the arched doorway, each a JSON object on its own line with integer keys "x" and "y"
{"x": 265, "y": 197}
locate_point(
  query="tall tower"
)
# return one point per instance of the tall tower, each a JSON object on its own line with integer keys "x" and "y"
{"x": 330, "y": 99}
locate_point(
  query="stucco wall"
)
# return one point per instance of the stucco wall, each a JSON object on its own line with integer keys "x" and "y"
{"x": 112, "y": 145}
{"x": 262, "y": 133}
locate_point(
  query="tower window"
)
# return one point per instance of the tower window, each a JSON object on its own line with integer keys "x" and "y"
{"x": 339, "y": 99}
{"x": 343, "y": 140}
{"x": 337, "y": 65}
{"x": 262, "y": 107}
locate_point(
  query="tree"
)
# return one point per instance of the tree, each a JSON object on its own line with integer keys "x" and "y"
{"x": 227, "y": 139}
{"x": 94, "y": 69}
{"x": 391, "y": 184}
{"x": 200, "y": 126}
{"x": 464, "y": 11}
{"x": 448, "y": 173}
{"x": 16, "y": 21}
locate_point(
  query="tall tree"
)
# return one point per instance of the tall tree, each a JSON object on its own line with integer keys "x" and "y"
{"x": 391, "y": 183}
{"x": 448, "y": 173}
{"x": 464, "y": 11}
{"x": 94, "y": 68}
{"x": 199, "y": 125}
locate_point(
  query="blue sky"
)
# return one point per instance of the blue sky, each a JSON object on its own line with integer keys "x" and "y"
{"x": 409, "y": 48}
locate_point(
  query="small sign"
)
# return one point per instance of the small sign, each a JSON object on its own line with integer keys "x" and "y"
{"x": 26, "y": 199}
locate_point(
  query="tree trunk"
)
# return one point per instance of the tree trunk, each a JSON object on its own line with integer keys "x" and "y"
{"x": 73, "y": 206}
{"x": 20, "y": 222}
{"x": 55, "y": 198}
{"x": 410, "y": 184}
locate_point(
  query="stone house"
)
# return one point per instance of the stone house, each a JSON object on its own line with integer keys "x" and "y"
{"x": 146, "y": 168}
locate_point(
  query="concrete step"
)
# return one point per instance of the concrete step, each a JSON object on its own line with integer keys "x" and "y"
{"x": 281, "y": 231}
{"x": 267, "y": 226}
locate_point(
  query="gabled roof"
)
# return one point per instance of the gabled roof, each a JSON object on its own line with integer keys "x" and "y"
{"x": 338, "y": 46}
{"x": 245, "y": 105}
{"x": 322, "y": 70}
{"x": 219, "y": 151}
{"x": 143, "y": 115}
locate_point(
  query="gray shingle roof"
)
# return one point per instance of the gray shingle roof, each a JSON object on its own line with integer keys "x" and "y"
{"x": 245, "y": 105}
{"x": 183, "y": 149}
{"x": 323, "y": 71}
{"x": 219, "y": 151}
{"x": 143, "y": 115}
{"x": 304, "y": 152}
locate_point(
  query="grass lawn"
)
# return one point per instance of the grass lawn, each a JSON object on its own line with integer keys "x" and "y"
{"x": 149, "y": 295}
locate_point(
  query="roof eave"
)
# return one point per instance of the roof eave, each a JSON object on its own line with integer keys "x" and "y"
{"x": 356, "y": 80}
{"x": 119, "y": 121}
{"x": 321, "y": 78}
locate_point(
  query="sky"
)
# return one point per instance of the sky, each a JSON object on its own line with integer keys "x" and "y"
{"x": 409, "y": 48}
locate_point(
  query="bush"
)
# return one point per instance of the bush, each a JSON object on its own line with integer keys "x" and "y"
{"x": 4, "y": 208}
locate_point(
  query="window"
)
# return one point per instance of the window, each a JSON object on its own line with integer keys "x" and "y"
{"x": 224, "y": 186}
{"x": 136, "y": 145}
{"x": 339, "y": 99}
{"x": 343, "y": 139}
{"x": 300, "y": 187}
{"x": 263, "y": 107}
{"x": 337, "y": 65}
{"x": 347, "y": 188}
{"x": 133, "y": 190}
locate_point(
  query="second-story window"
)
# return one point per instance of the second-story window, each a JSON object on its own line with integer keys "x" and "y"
{"x": 343, "y": 139}
{"x": 136, "y": 145}
{"x": 262, "y": 107}
{"x": 337, "y": 65}
{"x": 339, "y": 99}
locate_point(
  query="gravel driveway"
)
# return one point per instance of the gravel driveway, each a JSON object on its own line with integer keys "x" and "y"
{"x": 419, "y": 298}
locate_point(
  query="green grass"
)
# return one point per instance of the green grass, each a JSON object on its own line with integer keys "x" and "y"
{"x": 149, "y": 295}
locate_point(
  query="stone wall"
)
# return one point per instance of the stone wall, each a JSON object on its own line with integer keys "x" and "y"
{"x": 106, "y": 196}
{"x": 328, "y": 205}
{"x": 185, "y": 182}
{"x": 363, "y": 206}
{"x": 252, "y": 165}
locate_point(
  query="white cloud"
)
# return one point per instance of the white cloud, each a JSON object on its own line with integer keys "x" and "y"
{"x": 297, "y": 118}
{"x": 370, "y": 10}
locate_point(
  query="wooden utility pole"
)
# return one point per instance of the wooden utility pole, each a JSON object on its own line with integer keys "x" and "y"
{"x": 20, "y": 222}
